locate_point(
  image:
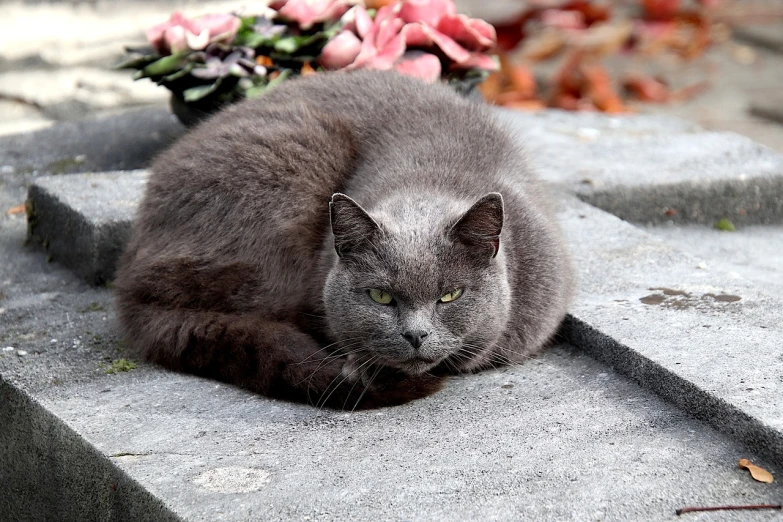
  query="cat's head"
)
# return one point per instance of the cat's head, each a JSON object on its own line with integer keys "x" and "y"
{"x": 415, "y": 284}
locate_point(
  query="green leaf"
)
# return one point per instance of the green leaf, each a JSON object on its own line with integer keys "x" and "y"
{"x": 291, "y": 44}
{"x": 255, "y": 40}
{"x": 165, "y": 65}
{"x": 258, "y": 90}
{"x": 199, "y": 92}
{"x": 725, "y": 225}
{"x": 137, "y": 62}
{"x": 179, "y": 74}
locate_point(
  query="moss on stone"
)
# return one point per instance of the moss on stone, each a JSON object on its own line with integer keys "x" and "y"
{"x": 121, "y": 365}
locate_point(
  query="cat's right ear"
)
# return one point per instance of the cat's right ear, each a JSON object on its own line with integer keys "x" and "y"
{"x": 352, "y": 226}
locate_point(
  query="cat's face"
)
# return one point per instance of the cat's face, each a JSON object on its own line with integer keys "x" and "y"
{"x": 411, "y": 295}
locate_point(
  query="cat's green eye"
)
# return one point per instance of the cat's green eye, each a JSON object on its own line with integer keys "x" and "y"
{"x": 451, "y": 296}
{"x": 381, "y": 297}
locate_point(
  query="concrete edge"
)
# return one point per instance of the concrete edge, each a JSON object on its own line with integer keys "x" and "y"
{"x": 673, "y": 388}
{"x": 750, "y": 201}
{"x": 50, "y": 472}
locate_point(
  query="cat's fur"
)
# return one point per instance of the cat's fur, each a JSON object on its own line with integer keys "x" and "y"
{"x": 234, "y": 272}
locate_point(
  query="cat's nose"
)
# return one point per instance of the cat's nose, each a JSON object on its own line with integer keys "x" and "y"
{"x": 415, "y": 337}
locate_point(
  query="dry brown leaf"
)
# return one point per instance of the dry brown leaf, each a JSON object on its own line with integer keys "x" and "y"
{"x": 604, "y": 39}
{"x": 543, "y": 45}
{"x": 18, "y": 209}
{"x": 264, "y": 60}
{"x": 600, "y": 90}
{"x": 646, "y": 88}
{"x": 307, "y": 69}
{"x": 526, "y": 105}
{"x": 759, "y": 474}
{"x": 492, "y": 86}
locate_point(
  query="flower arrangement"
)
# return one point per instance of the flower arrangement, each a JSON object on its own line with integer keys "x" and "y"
{"x": 220, "y": 58}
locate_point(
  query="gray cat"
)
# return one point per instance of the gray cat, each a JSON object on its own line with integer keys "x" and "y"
{"x": 348, "y": 240}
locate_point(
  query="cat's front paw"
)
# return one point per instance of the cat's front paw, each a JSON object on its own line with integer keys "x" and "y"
{"x": 385, "y": 386}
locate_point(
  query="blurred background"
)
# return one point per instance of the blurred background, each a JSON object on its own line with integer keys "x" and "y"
{"x": 716, "y": 63}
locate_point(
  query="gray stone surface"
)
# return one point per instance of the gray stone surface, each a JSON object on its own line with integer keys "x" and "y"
{"x": 84, "y": 221}
{"x": 554, "y": 444}
{"x": 653, "y": 169}
{"x": 559, "y": 437}
{"x": 754, "y": 252}
{"x": 50, "y": 472}
{"x": 769, "y": 107}
{"x": 769, "y": 36}
{"x": 122, "y": 141}
{"x": 704, "y": 340}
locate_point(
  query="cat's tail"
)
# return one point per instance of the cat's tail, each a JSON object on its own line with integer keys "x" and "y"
{"x": 269, "y": 357}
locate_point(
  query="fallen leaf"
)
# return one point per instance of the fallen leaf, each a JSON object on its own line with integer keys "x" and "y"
{"x": 18, "y": 209}
{"x": 307, "y": 69}
{"x": 543, "y": 45}
{"x": 526, "y": 105}
{"x": 492, "y": 86}
{"x": 264, "y": 60}
{"x": 600, "y": 90}
{"x": 646, "y": 88}
{"x": 759, "y": 474}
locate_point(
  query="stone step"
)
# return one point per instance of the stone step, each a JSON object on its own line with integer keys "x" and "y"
{"x": 84, "y": 221}
{"x": 560, "y": 436}
{"x": 518, "y": 442}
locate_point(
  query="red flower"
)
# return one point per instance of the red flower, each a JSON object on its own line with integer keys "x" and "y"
{"x": 181, "y": 33}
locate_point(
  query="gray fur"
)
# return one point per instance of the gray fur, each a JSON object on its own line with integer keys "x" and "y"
{"x": 233, "y": 257}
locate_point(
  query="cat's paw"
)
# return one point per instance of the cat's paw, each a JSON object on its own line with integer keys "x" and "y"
{"x": 384, "y": 386}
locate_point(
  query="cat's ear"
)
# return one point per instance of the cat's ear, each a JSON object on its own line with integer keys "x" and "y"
{"x": 352, "y": 226}
{"x": 479, "y": 228}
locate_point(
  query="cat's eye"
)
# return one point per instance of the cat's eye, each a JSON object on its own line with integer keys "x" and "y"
{"x": 380, "y": 297}
{"x": 451, "y": 296}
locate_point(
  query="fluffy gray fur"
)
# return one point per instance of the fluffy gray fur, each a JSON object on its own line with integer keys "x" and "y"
{"x": 263, "y": 230}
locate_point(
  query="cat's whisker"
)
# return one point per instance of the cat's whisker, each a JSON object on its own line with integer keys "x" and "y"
{"x": 346, "y": 377}
{"x": 326, "y": 360}
{"x": 326, "y": 348}
{"x": 529, "y": 357}
{"x": 367, "y": 387}
{"x": 371, "y": 360}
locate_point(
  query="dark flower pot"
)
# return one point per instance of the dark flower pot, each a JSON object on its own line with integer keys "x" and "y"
{"x": 191, "y": 114}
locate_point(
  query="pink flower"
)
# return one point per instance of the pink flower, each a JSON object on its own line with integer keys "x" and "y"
{"x": 309, "y": 12}
{"x": 427, "y": 11}
{"x": 181, "y": 33}
{"x": 437, "y": 33}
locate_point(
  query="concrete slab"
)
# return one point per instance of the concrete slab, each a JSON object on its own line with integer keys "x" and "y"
{"x": 122, "y": 141}
{"x": 769, "y": 107}
{"x": 769, "y": 36}
{"x": 707, "y": 341}
{"x": 644, "y": 308}
{"x": 559, "y": 437}
{"x": 654, "y": 169}
{"x": 85, "y": 225}
{"x": 754, "y": 253}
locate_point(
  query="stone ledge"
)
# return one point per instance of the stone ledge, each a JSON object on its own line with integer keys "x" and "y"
{"x": 84, "y": 221}
{"x": 59, "y": 474}
{"x": 645, "y": 309}
{"x": 705, "y": 340}
{"x": 557, "y": 437}
{"x": 649, "y": 169}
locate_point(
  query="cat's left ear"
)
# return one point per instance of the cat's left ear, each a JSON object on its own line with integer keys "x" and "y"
{"x": 480, "y": 227}
{"x": 352, "y": 226}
